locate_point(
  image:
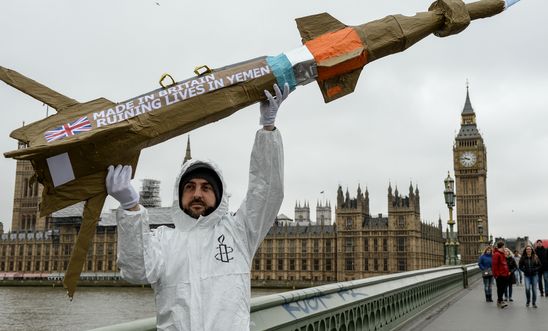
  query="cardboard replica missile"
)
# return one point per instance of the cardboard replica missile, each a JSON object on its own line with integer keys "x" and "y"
{"x": 71, "y": 150}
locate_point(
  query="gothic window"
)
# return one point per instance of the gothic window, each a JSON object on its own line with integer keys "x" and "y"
{"x": 375, "y": 245}
{"x": 401, "y": 222}
{"x": 348, "y": 223}
{"x": 257, "y": 264}
{"x": 328, "y": 246}
{"x": 385, "y": 245}
{"x": 366, "y": 264}
{"x": 348, "y": 244}
{"x": 328, "y": 265}
{"x": 402, "y": 265}
{"x": 292, "y": 246}
{"x": 280, "y": 246}
{"x": 400, "y": 244}
{"x": 316, "y": 264}
{"x": 349, "y": 264}
{"x": 37, "y": 266}
{"x": 90, "y": 265}
{"x": 375, "y": 264}
{"x": 292, "y": 265}
{"x": 280, "y": 264}
{"x": 268, "y": 264}
{"x": 303, "y": 246}
{"x": 25, "y": 187}
{"x": 366, "y": 244}
{"x": 316, "y": 245}
{"x": 304, "y": 265}
{"x": 385, "y": 263}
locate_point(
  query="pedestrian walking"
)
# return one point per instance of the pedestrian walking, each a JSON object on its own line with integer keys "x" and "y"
{"x": 541, "y": 254}
{"x": 512, "y": 267}
{"x": 529, "y": 263}
{"x": 500, "y": 272}
{"x": 485, "y": 265}
{"x": 518, "y": 274}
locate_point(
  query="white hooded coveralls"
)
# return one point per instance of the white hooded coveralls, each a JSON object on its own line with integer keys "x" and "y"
{"x": 200, "y": 271}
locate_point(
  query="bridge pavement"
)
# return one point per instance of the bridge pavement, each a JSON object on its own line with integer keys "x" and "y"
{"x": 468, "y": 311}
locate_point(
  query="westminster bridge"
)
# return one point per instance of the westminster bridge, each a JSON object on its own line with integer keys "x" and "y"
{"x": 444, "y": 298}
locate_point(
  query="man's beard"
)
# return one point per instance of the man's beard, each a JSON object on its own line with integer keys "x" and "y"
{"x": 206, "y": 211}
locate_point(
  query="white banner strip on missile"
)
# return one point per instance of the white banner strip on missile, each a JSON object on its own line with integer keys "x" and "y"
{"x": 304, "y": 65}
{"x": 298, "y": 55}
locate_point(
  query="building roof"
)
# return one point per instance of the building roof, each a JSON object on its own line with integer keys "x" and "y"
{"x": 376, "y": 222}
{"x": 297, "y": 230}
{"x": 468, "y": 131}
{"x": 283, "y": 217}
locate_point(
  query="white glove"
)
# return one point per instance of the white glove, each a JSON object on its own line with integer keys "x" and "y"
{"x": 269, "y": 108}
{"x": 118, "y": 183}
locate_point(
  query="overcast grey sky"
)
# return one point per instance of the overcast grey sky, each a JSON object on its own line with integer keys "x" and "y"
{"x": 399, "y": 125}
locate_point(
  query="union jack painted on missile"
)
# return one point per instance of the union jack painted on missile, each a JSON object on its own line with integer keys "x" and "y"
{"x": 333, "y": 54}
{"x": 70, "y": 129}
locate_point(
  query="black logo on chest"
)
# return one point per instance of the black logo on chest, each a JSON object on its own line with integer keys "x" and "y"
{"x": 224, "y": 251}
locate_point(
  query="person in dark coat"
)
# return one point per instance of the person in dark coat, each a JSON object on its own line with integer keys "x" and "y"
{"x": 530, "y": 265}
{"x": 541, "y": 254}
{"x": 512, "y": 267}
{"x": 500, "y": 272}
{"x": 485, "y": 265}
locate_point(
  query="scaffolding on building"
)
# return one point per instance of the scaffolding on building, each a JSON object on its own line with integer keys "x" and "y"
{"x": 150, "y": 193}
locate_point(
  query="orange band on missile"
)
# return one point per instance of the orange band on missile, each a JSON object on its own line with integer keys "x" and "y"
{"x": 337, "y": 52}
{"x": 334, "y": 91}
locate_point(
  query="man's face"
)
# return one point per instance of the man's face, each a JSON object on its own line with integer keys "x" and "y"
{"x": 538, "y": 243}
{"x": 198, "y": 197}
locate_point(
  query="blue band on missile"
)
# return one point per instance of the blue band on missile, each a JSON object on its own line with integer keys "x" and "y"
{"x": 282, "y": 70}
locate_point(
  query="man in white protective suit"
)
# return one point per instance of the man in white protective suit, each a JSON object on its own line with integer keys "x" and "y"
{"x": 200, "y": 270}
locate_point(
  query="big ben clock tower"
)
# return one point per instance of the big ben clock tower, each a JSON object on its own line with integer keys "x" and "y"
{"x": 470, "y": 163}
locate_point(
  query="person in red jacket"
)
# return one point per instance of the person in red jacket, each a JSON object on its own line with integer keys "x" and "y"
{"x": 500, "y": 272}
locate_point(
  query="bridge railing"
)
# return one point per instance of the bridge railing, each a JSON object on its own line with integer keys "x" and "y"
{"x": 376, "y": 303}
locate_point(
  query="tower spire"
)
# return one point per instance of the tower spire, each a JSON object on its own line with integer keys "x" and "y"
{"x": 187, "y": 154}
{"x": 467, "y": 104}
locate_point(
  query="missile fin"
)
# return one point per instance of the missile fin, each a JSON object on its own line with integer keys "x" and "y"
{"x": 36, "y": 90}
{"x": 339, "y": 86}
{"x": 314, "y": 26}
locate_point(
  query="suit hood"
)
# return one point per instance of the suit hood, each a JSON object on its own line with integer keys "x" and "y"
{"x": 182, "y": 220}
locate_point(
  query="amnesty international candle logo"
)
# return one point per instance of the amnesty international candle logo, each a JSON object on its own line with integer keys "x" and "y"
{"x": 224, "y": 250}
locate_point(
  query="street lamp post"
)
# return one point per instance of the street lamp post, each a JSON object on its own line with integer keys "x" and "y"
{"x": 451, "y": 243}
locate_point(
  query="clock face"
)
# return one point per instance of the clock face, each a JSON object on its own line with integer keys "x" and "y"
{"x": 468, "y": 159}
